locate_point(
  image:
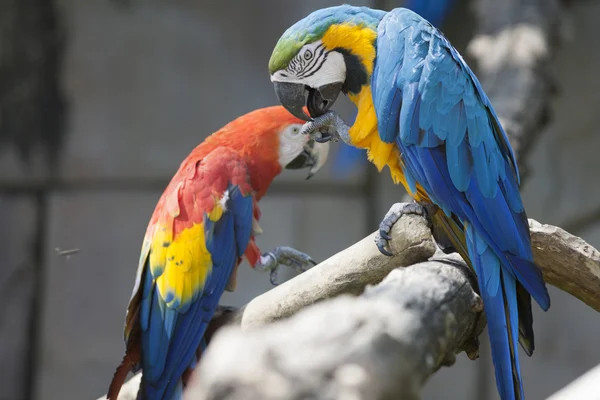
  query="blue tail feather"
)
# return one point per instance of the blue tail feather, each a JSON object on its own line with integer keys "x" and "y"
{"x": 531, "y": 278}
{"x": 509, "y": 285}
{"x": 498, "y": 291}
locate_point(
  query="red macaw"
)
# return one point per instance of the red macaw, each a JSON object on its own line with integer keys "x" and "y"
{"x": 204, "y": 223}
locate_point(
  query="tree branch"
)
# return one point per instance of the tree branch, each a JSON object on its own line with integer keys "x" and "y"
{"x": 382, "y": 344}
{"x": 348, "y": 271}
{"x": 567, "y": 262}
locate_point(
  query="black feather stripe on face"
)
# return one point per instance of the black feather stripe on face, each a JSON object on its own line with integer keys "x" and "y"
{"x": 356, "y": 73}
{"x": 319, "y": 57}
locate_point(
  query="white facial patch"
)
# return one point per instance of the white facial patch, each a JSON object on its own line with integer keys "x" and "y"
{"x": 291, "y": 144}
{"x": 313, "y": 66}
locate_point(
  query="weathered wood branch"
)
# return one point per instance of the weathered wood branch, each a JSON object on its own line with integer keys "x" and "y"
{"x": 348, "y": 271}
{"x": 514, "y": 47}
{"x": 382, "y": 344}
{"x": 567, "y": 262}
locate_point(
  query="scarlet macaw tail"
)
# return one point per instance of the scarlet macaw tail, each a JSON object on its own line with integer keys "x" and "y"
{"x": 119, "y": 377}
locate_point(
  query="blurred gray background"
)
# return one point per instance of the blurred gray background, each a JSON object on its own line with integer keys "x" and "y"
{"x": 100, "y": 100}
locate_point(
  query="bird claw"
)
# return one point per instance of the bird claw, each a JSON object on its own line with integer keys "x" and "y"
{"x": 395, "y": 212}
{"x": 381, "y": 243}
{"x": 325, "y": 137}
{"x": 327, "y": 127}
{"x": 284, "y": 256}
{"x": 385, "y": 235}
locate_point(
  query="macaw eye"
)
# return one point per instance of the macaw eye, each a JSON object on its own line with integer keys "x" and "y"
{"x": 295, "y": 130}
{"x": 308, "y": 54}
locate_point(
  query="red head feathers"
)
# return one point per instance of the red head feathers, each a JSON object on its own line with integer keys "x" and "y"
{"x": 268, "y": 139}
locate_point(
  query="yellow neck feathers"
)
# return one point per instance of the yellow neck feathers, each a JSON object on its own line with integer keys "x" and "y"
{"x": 360, "y": 41}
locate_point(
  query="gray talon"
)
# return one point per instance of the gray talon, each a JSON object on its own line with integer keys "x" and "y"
{"x": 395, "y": 212}
{"x": 273, "y": 277}
{"x": 283, "y": 256}
{"x": 327, "y": 127}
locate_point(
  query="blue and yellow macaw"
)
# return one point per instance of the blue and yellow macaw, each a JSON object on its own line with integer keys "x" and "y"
{"x": 422, "y": 113}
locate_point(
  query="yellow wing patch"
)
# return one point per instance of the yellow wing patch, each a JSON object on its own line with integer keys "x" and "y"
{"x": 187, "y": 265}
{"x": 180, "y": 266}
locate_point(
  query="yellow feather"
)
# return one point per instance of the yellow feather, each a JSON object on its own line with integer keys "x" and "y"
{"x": 364, "y": 134}
{"x": 195, "y": 282}
{"x": 161, "y": 240}
{"x": 188, "y": 265}
{"x": 357, "y": 38}
{"x": 217, "y": 211}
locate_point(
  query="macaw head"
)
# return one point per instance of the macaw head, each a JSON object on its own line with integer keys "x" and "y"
{"x": 331, "y": 50}
{"x": 297, "y": 151}
{"x": 270, "y": 140}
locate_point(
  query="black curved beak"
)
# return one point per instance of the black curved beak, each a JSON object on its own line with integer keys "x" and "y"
{"x": 313, "y": 156}
{"x": 292, "y": 96}
{"x": 321, "y": 99}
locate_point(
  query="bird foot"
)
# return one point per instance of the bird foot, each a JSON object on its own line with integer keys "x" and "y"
{"x": 395, "y": 212}
{"x": 327, "y": 127}
{"x": 284, "y": 256}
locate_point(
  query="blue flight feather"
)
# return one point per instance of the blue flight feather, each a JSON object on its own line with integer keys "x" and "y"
{"x": 171, "y": 336}
{"x": 459, "y": 165}
{"x": 409, "y": 117}
{"x": 489, "y": 274}
{"x": 456, "y": 125}
{"x": 241, "y": 207}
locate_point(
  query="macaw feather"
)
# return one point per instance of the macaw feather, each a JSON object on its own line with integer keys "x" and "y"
{"x": 453, "y": 147}
{"x": 194, "y": 242}
{"x": 187, "y": 265}
{"x": 497, "y": 290}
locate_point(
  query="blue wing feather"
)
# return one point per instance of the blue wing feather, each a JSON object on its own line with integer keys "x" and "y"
{"x": 453, "y": 145}
{"x": 409, "y": 115}
{"x": 170, "y": 337}
{"x": 435, "y": 12}
{"x": 475, "y": 153}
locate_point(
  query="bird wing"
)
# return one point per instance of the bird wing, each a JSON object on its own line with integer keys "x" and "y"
{"x": 196, "y": 237}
